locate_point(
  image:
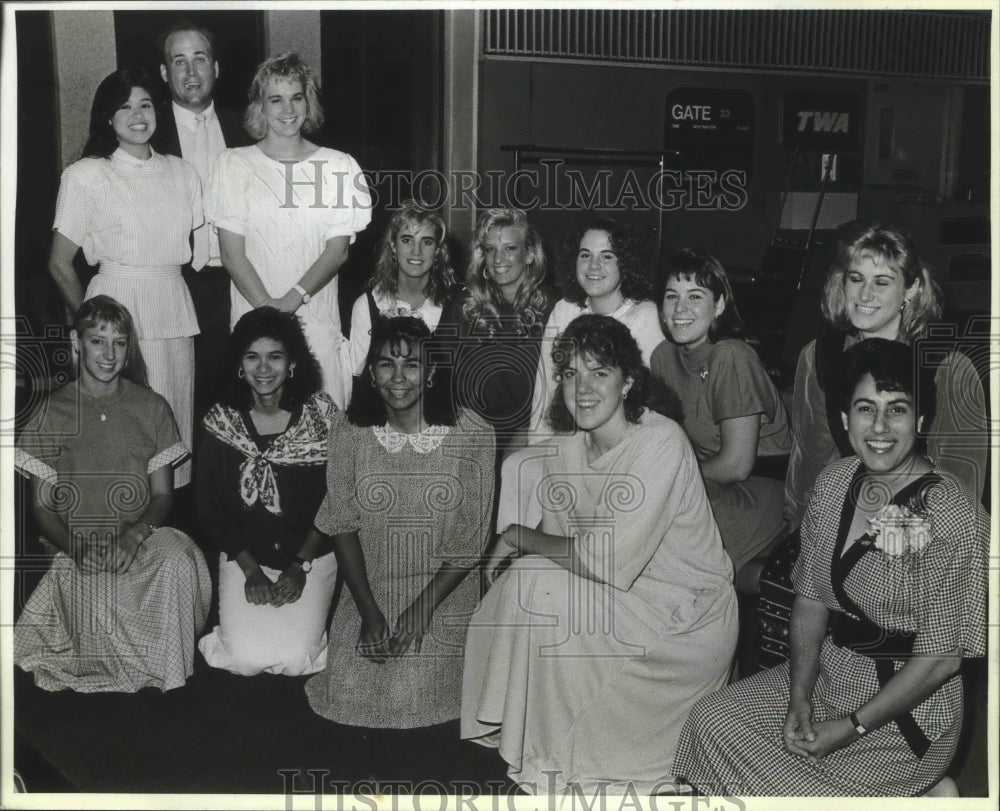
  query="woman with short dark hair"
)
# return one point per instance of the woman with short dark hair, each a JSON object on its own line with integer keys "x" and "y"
{"x": 891, "y": 589}
{"x": 732, "y": 412}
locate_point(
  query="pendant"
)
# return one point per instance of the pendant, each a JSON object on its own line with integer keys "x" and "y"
{"x": 104, "y": 417}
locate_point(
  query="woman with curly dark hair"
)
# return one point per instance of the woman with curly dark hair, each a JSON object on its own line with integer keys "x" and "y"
{"x": 585, "y": 656}
{"x": 498, "y": 324}
{"x": 604, "y": 269}
{"x": 261, "y": 469}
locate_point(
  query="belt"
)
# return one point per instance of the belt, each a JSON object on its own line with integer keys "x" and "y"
{"x": 883, "y": 647}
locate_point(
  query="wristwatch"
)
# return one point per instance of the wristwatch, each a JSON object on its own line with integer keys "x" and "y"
{"x": 302, "y": 292}
{"x": 860, "y": 728}
{"x": 305, "y": 564}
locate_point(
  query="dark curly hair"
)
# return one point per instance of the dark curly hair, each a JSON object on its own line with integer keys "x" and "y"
{"x": 635, "y": 263}
{"x": 705, "y": 271}
{"x": 404, "y": 335}
{"x": 610, "y": 343}
{"x": 285, "y": 328}
{"x": 894, "y": 366}
{"x": 113, "y": 91}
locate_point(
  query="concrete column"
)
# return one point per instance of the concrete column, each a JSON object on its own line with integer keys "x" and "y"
{"x": 297, "y": 31}
{"x": 83, "y": 44}
{"x": 461, "y": 113}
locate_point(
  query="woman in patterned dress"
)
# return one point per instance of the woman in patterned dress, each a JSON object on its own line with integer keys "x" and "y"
{"x": 891, "y": 594}
{"x": 604, "y": 269}
{"x": 409, "y": 488}
{"x": 880, "y": 287}
{"x": 261, "y": 469}
{"x": 132, "y": 212}
{"x": 286, "y": 211}
{"x": 124, "y": 597}
{"x": 731, "y": 410}
{"x": 586, "y": 655}
{"x": 413, "y": 276}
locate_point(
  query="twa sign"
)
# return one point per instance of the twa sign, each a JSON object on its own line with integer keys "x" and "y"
{"x": 824, "y": 122}
{"x": 827, "y": 121}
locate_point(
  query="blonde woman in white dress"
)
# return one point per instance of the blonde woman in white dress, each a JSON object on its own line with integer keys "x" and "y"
{"x": 286, "y": 211}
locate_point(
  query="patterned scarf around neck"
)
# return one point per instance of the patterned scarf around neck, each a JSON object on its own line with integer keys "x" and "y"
{"x": 303, "y": 443}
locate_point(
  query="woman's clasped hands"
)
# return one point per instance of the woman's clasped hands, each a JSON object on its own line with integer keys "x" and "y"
{"x": 93, "y": 555}
{"x": 814, "y": 739}
{"x": 261, "y": 590}
{"x": 378, "y": 644}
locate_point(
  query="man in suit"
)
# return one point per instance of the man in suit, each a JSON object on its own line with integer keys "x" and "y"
{"x": 193, "y": 128}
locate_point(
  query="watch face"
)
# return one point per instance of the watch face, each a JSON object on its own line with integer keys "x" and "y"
{"x": 307, "y": 565}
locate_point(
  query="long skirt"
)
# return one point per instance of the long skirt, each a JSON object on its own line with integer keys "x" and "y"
{"x": 288, "y": 641}
{"x": 732, "y": 741}
{"x": 117, "y": 632}
{"x": 584, "y": 687}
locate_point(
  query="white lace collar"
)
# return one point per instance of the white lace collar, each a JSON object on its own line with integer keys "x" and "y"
{"x": 426, "y": 441}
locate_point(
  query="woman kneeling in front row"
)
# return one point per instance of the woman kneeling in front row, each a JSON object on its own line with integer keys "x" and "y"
{"x": 123, "y": 599}
{"x": 262, "y": 469}
{"x": 586, "y": 655}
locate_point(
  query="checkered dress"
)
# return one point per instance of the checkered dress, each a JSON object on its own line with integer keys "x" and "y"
{"x": 109, "y": 631}
{"x": 732, "y": 741}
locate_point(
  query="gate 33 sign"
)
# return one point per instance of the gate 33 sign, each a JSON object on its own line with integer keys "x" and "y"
{"x": 827, "y": 121}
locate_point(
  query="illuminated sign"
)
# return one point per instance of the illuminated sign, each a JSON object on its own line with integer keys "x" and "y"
{"x": 827, "y": 121}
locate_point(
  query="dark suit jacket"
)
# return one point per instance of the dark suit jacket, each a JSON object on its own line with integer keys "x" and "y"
{"x": 165, "y": 140}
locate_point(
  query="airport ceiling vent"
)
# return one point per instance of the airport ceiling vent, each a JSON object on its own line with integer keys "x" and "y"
{"x": 940, "y": 45}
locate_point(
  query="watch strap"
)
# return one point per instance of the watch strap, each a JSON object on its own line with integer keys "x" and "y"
{"x": 302, "y": 292}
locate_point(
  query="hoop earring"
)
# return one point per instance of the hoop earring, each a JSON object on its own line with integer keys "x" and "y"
{"x": 240, "y": 374}
{"x": 430, "y": 382}
{"x": 291, "y": 372}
